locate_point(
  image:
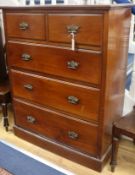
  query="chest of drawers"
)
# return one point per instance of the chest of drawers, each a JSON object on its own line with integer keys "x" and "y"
{"x": 64, "y": 99}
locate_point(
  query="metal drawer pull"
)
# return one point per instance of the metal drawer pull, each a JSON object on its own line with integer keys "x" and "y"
{"x": 28, "y": 87}
{"x": 72, "y": 135}
{"x": 73, "y": 29}
{"x": 26, "y": 57}
{"x": 72, "y": 64}
{"x": 23, "y": 26}
{"x": 73, "y": 100}
{"x": 30, "y": 119}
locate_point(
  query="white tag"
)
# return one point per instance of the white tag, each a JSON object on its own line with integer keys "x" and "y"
{"x": 72, "y": 41}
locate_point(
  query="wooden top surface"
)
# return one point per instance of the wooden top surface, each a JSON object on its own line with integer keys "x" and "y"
{"x": 60, "y": 6}
{"x": 127, "y": 122}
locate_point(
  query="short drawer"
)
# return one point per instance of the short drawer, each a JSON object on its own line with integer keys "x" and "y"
{"x": 88, "y": 29}
{"x": 56, "y": 126}
{"x": 78, "y": 65}
{"x": 25, "y": 25}
{"x": 82, "y": 101}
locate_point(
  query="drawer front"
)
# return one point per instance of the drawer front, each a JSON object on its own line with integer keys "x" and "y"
{"x": 81, "y": 101}
{"x": 27, "y": 26}
{"x": 87, "y": 28}
{"x": 56, "y": 126}
{"x": 61, "y": 62}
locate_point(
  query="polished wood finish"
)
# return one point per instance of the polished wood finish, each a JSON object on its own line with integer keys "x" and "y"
{"x": 115, "y": 75}
{"x": 124, "y": 126}
{"x": 43, "y": 60}
{"x": 35, "y": 30}
{"x": 55, "y": 94}
{"x": 89, "y": 33}
{"x": 62, "y": 150}
{"x": 45, "y": 122}
{"x": 83, "y": 100}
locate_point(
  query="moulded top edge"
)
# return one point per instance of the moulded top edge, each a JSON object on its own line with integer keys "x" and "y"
{"x": 68, "y": 7}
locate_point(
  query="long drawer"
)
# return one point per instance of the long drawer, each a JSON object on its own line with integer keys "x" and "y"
{"x": 56, "y": 126}
{"x": 21, "y": 25}
{"x": 88, "y": 28}
{"x": 82, "y": 101}
{"x": 78, "y": 65}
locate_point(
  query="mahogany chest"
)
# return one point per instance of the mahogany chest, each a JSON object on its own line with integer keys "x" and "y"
{"x": 67, "y": 67}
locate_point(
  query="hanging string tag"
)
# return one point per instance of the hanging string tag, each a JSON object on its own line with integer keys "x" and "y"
{"x": 72, "y": 41}
{"x": 73, "y": 30}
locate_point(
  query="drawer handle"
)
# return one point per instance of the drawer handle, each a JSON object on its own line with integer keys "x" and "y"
{"x": 26, "y": 57}
{"x": 72, "y": 135}
{"x": 23, "y": 26}
{"x": 31, "y": 119}
{"x": 72, "y": 64}
{"x": 73, "y": 29}
{"x": 28, "y": 87}
{"x": 73, "y": 100}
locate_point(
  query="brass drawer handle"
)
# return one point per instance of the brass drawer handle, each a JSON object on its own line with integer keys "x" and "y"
{"x": 73, "y": 100}
{"x": 72, "y": 64}
{"x": 73, "y": 29}
{"x": 30, "y": 119}
{"x": 26, "y": 57}
{"x": 23, "y": 26}
{"x": 28, "y": 87}
{"x": 72, "y": 135}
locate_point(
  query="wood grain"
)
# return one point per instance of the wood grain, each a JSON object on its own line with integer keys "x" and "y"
{"x": 56, "y": 126}
{"x": 35, "y": 30}
{"x": 54, "y": 93}
{"x": 56, "y": 63}
{"x": 102, "y": 40}
{"x": 115, "y": 75}
{"x": 89, "y": 33}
